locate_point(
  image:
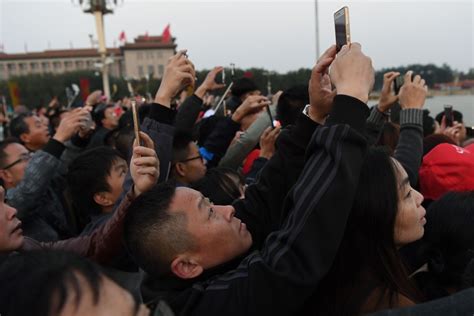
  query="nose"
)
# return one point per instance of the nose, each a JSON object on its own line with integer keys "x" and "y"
{"x": 226, "y": 211}
{"x": 11, "y": 212}
{"x": 419, "y": 198}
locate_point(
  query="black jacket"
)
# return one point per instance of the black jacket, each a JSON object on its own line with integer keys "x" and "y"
{"x": 294, "y": 245}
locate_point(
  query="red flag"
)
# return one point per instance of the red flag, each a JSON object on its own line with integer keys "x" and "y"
{"x": 166, "y": 36}
{"x": 122, "y": 37}
{"x": 85, "y": 88}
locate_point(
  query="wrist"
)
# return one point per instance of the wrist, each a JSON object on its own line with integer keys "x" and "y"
{"x": 136, "y": 192}
{"x": 355, "y": 93}
{"x": 163, "y": 98}
{"x": 200, "y": 92}
{"x": 265, "y": 154}
{"x": 60, "y": 138}
{"x": 237, "y": 116}
{"x": 314, "y": 115}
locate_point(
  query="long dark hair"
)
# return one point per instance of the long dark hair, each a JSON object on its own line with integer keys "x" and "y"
{"x": 368, "y": 258}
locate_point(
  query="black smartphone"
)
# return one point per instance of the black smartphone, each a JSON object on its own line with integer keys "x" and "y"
{"x": 341, "y": 23}
{"x": 448, "y": 114}
{"x": 271, "y": 117}
{"x": 399, "y": 81}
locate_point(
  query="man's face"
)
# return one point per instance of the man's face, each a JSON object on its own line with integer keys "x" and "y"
{"x": 11, "y": 234}
{"x": 116, "y": 178}
{"x": 110, "y": 119}
{"x": 38, "y": 134}
{"x": 193, "y": 166}
{"x": 15, "y": 163}
{"x": 218, "y": 235}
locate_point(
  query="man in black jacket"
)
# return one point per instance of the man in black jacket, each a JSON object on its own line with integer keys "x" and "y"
{"x": 196, "y": 249}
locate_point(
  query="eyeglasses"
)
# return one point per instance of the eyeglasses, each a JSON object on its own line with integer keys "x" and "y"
{"x": 23, "y": 157}
{"x": 193, "y": 158}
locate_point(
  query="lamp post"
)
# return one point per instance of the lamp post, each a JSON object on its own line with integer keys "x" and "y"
{"x": 99, "y": 8}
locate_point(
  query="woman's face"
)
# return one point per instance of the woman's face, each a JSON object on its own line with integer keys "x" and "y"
{"x": 410, "y": 220}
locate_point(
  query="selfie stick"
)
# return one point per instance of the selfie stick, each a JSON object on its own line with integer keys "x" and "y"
{"x": 222, "y": 100}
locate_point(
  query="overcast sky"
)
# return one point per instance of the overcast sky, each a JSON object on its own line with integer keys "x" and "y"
{"x": 277, "y": 35}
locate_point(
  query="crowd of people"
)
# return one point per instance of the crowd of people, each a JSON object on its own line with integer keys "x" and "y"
{"x": 333, "y": 208}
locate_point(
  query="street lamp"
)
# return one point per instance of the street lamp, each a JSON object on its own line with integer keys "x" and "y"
{"x": 99, "y": 8}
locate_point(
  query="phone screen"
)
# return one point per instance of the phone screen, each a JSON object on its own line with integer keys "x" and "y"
{"x": 448, "y": 113}
{"x": 341, "y": 20}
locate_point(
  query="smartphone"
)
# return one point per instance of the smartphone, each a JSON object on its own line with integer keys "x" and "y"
{"x": 271, "y": 117}
{"x": 136, "y": 122}
{"x": 341, "y": 22}
{"x": 448, "y": 114}
{"x": 399, "y": 81}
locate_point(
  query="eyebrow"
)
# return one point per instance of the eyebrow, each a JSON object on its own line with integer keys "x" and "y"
{"x": 404, "y": 183}
{"x": 120, "y": 165}
{"x": 201, "y": 202}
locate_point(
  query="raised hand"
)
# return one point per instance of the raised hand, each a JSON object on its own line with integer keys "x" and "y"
{"x": 387, "y": 97}
{"x": 210, "y": 84}
{"x": 352, "y": 73}
{"x": 251, "y": 105}
{"x": 321, "y": 94}
{"x": 267, "y": 141}
{"x": 412, "y": 94}
{"x": 179, "y": 73}
{"x": 144, "y": 166}
{"x": 71, "y": 124}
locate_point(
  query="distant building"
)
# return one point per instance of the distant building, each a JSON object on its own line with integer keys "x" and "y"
{"x": 147, "y": 55}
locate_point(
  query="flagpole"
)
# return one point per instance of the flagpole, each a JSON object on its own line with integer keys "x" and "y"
{"x": 316, "y": 27}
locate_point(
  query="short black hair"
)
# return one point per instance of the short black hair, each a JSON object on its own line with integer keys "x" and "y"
{"x": 122, "y": 140}
{"x": 87, "y": 175}
{"x": 181, "y": 141}
{"x": 243, "y": 85}
{"x": 220, "y": 185}
{"x": 3, "y": 145}
{"x": 457, "y": 116}
{"x": 428, "y": 123}
{"x": 31, "y": 279}
{"x": 153, "y": 235}
{"x": 98, "y": 114}
{"x": 18, "y": 125}
{"x": 449, "y": 242}
{"x": 291, "y": 104}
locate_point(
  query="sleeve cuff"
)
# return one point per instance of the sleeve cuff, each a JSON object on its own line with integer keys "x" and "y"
{"x": 54, "y": 148}
{"x": 411, "y": 117}
{"x": 162, "y": 114}
{"x": 78, "y": 141}
{"x": 349, "y": 110}
{"x": 376, "y": 117}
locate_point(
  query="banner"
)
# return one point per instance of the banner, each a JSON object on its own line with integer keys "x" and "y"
{"x": 14, "y": 92}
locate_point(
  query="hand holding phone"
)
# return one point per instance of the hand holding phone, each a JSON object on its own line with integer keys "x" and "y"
{"x": 448, "y": 114}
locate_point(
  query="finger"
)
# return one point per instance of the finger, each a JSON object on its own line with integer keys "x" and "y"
{"x": 275, "y": 132}
{"x": 147, "y": 170}
{"x": 145, "y": 161}
{"x": 323, "y": 65}
{"x": 185, "y": 68}
{"x": 408, "y": 75}
{"x": 422, "y": 82}
{"x": 147, "y": 141}
{"x": 417, "y": 79}
{"x": 144, "y": 151}
{"x": 329, "y": 53}
{"x": 266, "y": 132}
{"x": 219, "y": 86}
{"x": 344, "y": 50}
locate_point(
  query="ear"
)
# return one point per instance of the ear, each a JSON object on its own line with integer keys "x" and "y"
{"x": 181, "y": 169}
{"x": 6, "y": 176}
{"x": 25, "y": 138}
{"x": 103, "y": 198}
{"x": 186, "y": 268}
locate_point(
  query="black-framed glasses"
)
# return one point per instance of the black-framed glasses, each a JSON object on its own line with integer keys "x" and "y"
{"x": 23, "y": 157}
{"x": 193, "y": 158}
